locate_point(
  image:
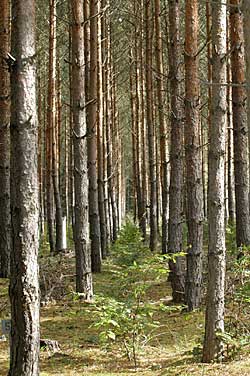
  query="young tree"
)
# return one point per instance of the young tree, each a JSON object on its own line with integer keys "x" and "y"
{"x": 5, "y": 236}
{"x": 24, "y": 286}
{"x": 213, "y": 345}
{"x": 81, "y": 232}
{"x": 176, "y": 153}
{"x": 193, "y": 158}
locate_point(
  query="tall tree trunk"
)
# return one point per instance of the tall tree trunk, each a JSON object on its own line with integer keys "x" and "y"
{"x": 141, "y": 81}
{"x": 150, "y": 124}
{"x": 24, "y": 286}
{"x": 230, "y": 153}
{"x": 240, "y": 126}
{"x": 49, "y": 129}
{"x": 246, "y": 14}
{"x": 52, "y": 112}
{"x": 92, "y": 143}
{"x": 100, "y": 131}
{"x": 162, "y": 123}
{"x": 5, "y": 236}
{"x": 193, "y": 158}
{"x": 177, "y": 277}
{"x": 213, "y": 346}
{"x": 81, "y": 231}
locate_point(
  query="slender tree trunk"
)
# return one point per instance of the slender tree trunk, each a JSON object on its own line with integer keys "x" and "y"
{"x": 24, "y": 286}
{"x": 193, "y": 158}
{"x": 150, "y": 125}
{"x": 230, "y": 152}
{"x": 240, "y": 126}
{"x": 162, "y": 123}
{"x": 246, "y": 14}
{"x": 49, "y": 129}
{"x": 52, "y": 112}
{"x": 133, "y": 105}
{"x": 105, "y": 43}
{"x": 5, "y": 232}
{"x": 177, "y": 276}
{"x": 143, "y": 223}
{"x": 100, "y": 131}
{"x": 81, "y": 231}
{"x": 92, "y": 143}
{"x": 213, "y": 345}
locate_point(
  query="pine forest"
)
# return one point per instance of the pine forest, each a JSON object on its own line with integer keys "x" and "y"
{"x": 124, "y": 187}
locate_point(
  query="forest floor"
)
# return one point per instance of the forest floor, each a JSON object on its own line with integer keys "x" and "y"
{"x": 167, "y": 340}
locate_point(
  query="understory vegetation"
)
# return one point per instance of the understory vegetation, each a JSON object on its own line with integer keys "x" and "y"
{"x": 132, "y": 325}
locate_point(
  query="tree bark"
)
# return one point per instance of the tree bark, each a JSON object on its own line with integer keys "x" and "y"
{"x": 24, "y": 286}
{"x": 150, "y": 124}
{"x": 240, "y": 126}
{"x": 52, "y": 117}
{"x": 5, "y": 235}
{"x": 177, "y": 276}
{"x": 100, "y": 131}
{"x": 193, "y": 158}
{"x": 92, "y": 143}
{"x": 213, "y": 345}
{"x": 81, "y": 231}
{"x": 162, "y": 123}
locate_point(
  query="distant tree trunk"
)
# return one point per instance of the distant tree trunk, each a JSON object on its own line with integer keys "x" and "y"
{"x": 230, "y": 153}
{"x": 213, "y": 344}
{"x": 53, "y": 126}
{"x": 24, "y": 286}
{"x": 137, "y": 120}
{"x": 105, "y": 55}
{"x": 92, "y": 143}
{"x": 240, "y": 126}
{"x": 5, "y": 236}
{"x": 133, "y": 106}
{"x": 177, "y": 276}
{"x": 193, "y": 158}
{"x": 49, "y": 129}
{"x": 150, "y": 124}
{"x": 141, "y": 81}
{"x": 100, "y": 131}
{"x": 109, "y": 143}
{"x": 81, "y": 231}
{"x": 162, "y": 123}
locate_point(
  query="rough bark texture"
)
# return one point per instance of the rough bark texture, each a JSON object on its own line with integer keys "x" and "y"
{"x": 92, "y": 143}
{"x": 240, "y": 127}
{"x": 213, "y": 345}
{"x": 5, "y": 233}
{"x": 24, "y": 286}
{"x": 246, "y": 14}
{"x": 162, "y": 124}
{"x": 177, "y": 276}
{"x": 193, "y": 158}
{"x": 150, "y": 124}
{"x": 81, "y": 231}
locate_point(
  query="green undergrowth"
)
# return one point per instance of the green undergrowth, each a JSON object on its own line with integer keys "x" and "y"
{"x": 131, "y": 326}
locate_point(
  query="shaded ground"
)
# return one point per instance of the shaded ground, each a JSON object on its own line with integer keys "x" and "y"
{"x": 170, "y": 352}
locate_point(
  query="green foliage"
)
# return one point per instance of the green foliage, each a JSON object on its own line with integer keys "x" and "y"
{"x": 128, "y": 321}
{"x": 127, "y": 324}
{"x": 129, "y": 246}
